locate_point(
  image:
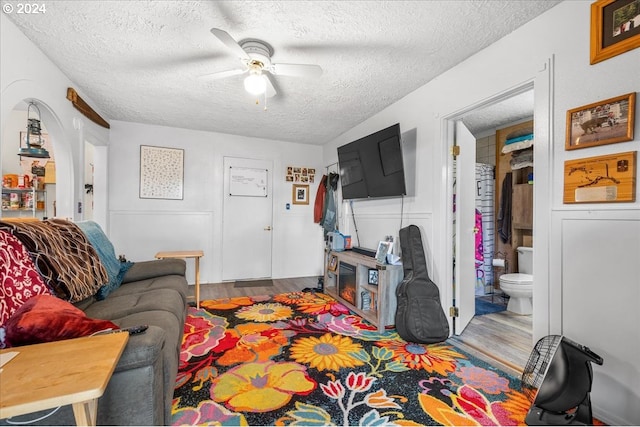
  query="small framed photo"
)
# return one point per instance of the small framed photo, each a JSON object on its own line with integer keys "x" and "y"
{"x": 333, "y": 263}
{"x": 373, "y": 276}
{"x": 615, "y": 28}
{"x": 600, "y": 123}
{"x": 300, "y": 194}
{"x": 383, "y": 249}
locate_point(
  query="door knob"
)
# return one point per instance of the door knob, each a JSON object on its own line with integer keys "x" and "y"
{"x": 267, "y": 228}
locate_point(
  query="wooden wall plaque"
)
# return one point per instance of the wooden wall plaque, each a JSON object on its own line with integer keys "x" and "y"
{"x": 602, "y": 179}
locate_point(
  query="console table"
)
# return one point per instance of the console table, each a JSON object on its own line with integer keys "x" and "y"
{"x": 376, "y": 303}
{"x": 69, "y": 372}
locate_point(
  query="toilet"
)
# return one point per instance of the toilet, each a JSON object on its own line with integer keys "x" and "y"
{"x": 519, "y": 286}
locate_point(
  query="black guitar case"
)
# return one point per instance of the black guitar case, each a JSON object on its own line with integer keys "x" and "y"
{"x": 419, "y": 316}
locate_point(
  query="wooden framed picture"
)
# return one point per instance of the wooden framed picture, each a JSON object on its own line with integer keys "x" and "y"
{"x": 602, "y": 179}
{"x": 300, "y": 194}
{"x": 600, "y": 123}
{"x": 615, "y": 28}
{"x": 333, "y": 263}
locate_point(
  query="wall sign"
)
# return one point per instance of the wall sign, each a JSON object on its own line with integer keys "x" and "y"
{"x": 249, "y": 182}
{"x": 602, "y": 179}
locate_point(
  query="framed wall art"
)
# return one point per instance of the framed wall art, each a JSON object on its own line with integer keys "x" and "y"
{"x": 601, "y": 179}
{"x": 615, "y": 28}
{"x": 300, "y": 194}
{"x": 600, "y": 123}
{"x": 161, "y": 173}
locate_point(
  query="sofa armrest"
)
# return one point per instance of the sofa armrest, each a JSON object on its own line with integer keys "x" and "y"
{"x": 142, "y": 349}
{"x": 155, "y": 268}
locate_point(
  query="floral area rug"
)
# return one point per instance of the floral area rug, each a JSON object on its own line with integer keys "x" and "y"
{"x": 305, "y": 359}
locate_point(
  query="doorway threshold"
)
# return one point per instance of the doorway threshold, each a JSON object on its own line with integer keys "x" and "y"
{"x": 488, "y": 356}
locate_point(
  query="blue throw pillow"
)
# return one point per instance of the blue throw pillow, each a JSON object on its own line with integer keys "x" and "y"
{"x": 107, "y": 254}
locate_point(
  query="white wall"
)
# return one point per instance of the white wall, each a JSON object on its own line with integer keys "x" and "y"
{"x": 586, "y": 290}
{"x": 141, "y": 227}
{"x": 27, "y": 74}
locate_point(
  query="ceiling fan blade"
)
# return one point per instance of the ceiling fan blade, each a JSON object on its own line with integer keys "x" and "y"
{"x": 271, "y": 90}
{"x": 229, "y": 42}
{"x": 223, "y": 74}
{"x": 296, "y": 70}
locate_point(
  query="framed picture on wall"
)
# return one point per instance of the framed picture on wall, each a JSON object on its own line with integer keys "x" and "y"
{"x": 161, "y": 173}
{"x": 615, "y": 28}
{"x": 600, "y": 123}
{"x": 300, "y": 194}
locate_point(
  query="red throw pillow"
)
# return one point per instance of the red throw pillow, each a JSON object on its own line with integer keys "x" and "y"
{"x": 19, "y": 279}
{"x": 45, "y": 318}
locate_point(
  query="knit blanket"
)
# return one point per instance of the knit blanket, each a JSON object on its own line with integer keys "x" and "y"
{"x": 68, "y": 263}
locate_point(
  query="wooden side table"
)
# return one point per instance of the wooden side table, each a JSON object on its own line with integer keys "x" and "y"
{"x": 197, "y": 254}
{"x": 69, "y": 372}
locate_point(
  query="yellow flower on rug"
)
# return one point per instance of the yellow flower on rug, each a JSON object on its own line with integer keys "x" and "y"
{"x": 261, "y": 387}
{"x": 268, "y": 312}
{"x": 329, "y": 352}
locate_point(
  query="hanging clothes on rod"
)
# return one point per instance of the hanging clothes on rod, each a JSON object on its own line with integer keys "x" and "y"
{"x": 329, "y": 216}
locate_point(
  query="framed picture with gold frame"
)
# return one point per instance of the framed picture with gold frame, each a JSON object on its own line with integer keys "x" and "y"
{"x": 333, "y": 263}
{"x": 300, "y": 194}
{"x": 615, "y": 28}
{"x": 600, "y": 123}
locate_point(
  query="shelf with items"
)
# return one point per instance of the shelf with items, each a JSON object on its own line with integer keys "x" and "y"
{"x": 521, "y": 195}
{"x": 347, "y": 278}
{"x": 17, "y": 201}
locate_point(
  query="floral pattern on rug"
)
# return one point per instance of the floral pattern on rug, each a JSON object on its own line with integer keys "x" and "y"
{"x": 304, "y": 359}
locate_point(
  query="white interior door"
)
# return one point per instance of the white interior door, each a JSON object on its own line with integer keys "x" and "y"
{"x": 465, "y": 274}
{"x": 247, "y": 219}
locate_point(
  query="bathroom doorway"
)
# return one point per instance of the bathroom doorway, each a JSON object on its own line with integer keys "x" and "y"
{"x": 491, "y": 328}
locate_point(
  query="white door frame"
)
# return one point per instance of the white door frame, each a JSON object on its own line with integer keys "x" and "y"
{"x": 547, "y": 304}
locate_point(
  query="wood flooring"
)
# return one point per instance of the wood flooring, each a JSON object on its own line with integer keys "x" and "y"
{"x": 501, "y": 339}
{"x": 504, "y": 336}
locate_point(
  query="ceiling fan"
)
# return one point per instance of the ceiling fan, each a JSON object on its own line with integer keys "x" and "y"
{"x": 255, "y": 57}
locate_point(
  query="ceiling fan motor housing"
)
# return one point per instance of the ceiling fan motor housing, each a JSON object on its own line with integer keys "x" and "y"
{"x": 258, "y": 50}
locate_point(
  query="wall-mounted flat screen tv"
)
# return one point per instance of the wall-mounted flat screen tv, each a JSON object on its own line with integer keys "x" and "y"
{"x": 373, "y": 166}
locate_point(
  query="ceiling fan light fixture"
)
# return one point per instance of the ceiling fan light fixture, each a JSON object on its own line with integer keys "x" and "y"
{"x": 254, "y": 83}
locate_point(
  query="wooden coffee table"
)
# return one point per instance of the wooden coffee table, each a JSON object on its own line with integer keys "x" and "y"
{"x": 69, "y": 372}
{"x": 197, "y": 254}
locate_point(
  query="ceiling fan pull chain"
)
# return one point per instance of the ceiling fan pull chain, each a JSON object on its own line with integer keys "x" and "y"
{"x": 265, "y": 101}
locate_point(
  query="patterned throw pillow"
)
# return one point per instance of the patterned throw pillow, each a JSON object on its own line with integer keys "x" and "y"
{"x": 62, "y": 254}
{"x": 19, "y": 280}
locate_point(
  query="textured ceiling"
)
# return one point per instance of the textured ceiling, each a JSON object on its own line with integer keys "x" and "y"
{"x": 143, "y": 61}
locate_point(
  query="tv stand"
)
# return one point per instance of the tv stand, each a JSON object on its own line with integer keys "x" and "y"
{"x": 380, "y": 309}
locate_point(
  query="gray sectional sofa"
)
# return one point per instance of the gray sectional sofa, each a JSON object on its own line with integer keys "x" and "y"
{"x": 152, "y": 293}
{"x": 140, "y": 391}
